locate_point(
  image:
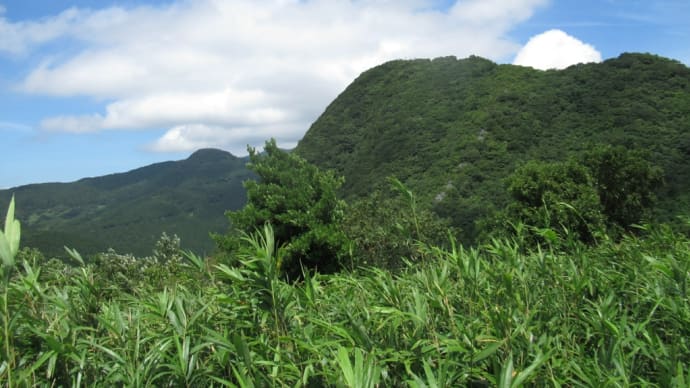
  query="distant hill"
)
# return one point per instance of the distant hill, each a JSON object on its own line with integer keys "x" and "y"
{"x": 129, "y": 211}
{"x": 452, "y": 130}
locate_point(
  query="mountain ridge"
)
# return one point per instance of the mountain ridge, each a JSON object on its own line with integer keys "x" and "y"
{"x": 128, "y": 211}
{"x": 454, "y": 129}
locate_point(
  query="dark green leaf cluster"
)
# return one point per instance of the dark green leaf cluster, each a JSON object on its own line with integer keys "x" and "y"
{"x": 561, "y": 196}
{"x": 385, "y": 229}
{"x": 607, "y": 190}
{"x": 626, "y": 183}
{"x": 300, "y": 202}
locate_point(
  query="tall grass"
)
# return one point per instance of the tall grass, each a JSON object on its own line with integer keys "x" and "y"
{"x": 617, "y": 314}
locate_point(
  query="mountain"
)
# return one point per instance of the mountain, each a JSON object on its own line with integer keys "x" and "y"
{"x": 129, "y": 211}
{"x": 453, "y": 130}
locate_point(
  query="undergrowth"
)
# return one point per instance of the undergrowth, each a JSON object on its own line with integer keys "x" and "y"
{"x": 615, "y": 314}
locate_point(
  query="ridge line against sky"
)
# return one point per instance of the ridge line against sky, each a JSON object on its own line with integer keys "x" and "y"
{"x": 93, "y": 87}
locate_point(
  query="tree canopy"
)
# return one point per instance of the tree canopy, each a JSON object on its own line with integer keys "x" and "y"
{"x": 300, "y": 202}
{"x": 626, "y": 183}
{"x": 556, "y": 196}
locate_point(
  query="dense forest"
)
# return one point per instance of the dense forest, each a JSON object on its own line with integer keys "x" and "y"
{"x": 454, "y": 130}
{"x": 460, "y": 256}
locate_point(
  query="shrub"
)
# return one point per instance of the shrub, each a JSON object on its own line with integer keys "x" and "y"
{"x": 300, "y": 202}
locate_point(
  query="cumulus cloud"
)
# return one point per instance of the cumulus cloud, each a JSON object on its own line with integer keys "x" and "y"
{"x": 226, "y": 72}
{"x": 554, "y": 49}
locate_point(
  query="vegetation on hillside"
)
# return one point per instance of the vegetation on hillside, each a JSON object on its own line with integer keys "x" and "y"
{"x": 454, "y": 130}
{"x": 129, "y": 211}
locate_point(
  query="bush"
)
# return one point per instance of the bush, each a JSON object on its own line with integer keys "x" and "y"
{"x": 300, "y": 202}
{"x": 386, "y": 227}
{"x": 625, "y": 183}
{"x": 558, "y": 197}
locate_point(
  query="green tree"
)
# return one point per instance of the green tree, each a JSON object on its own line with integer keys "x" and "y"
{"x": 386, "y": 227}
{"x": 625, "y": 182}
{"x": 556, "y": 196}
{"x": 300, "y": 202}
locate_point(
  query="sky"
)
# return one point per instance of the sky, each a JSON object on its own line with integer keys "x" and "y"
{"x": 92, "y": 87}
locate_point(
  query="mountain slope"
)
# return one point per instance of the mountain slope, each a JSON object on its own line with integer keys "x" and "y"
{"x": 129, "y": 211}
{"x": 452, "y": 130}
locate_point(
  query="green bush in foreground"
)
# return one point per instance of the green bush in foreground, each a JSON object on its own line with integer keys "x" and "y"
{"x": 300, "y": 202}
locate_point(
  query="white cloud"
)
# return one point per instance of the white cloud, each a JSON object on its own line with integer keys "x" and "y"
{"x": 233, "y": 139}
{"x": 499, "y": 14}
{"x": 224, "y": 71}
{"x": 225, "y": 108}
{"x": 17, "y": 38}
{"x": 73, "y": 124}
{"x": 554, "y": 49}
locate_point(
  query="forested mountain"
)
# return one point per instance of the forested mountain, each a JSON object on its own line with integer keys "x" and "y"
{"x": 453, "y": 130}
{"x": 129, "y": 211}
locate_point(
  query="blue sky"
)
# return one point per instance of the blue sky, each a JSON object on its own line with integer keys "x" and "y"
{"x": 90, "y": 87}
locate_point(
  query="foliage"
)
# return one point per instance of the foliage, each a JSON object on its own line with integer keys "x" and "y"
{"x": 386, "y": 228}
{"x": 608, "y": 187}
{"x": 451, "y": 130}
{"x": 508, "y": 312}
{"x": 626, "y": 184}
{"x": 555, "y": 198}
{"x": 9, "y": 239}
{"x": 124, "y": 273}
{"x": 454, "y": 130}
{"x": 167, "y": 249}
{"x": 497, "y": 315}
{"x": 299, "y": 201}
{"x": 9, "y": 246}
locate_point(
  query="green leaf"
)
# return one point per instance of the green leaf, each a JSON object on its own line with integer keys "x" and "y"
{"x": 37, "y": 364}
{"x": 12, "y": 229}
{"x": 195, "y": 260}
{"x": 5, "y": 253}
{"x": 428, "y": 371}
{"x": 13, "y": 235}
{"x": 75, "y": 255}
{"x": 242, "y": 350}
{"x": 522, "y": 377}
{"x": 506, "y": 379}
{"x": 232, "y": 274}
{"x": 9, "y": 240}
{"x": 346, "y": 367}
{"x": 10, "y": 214}
{"x": 487, "y": 352}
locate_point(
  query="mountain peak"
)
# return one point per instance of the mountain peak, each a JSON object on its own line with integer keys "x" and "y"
{"x": 210, "y": 155}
